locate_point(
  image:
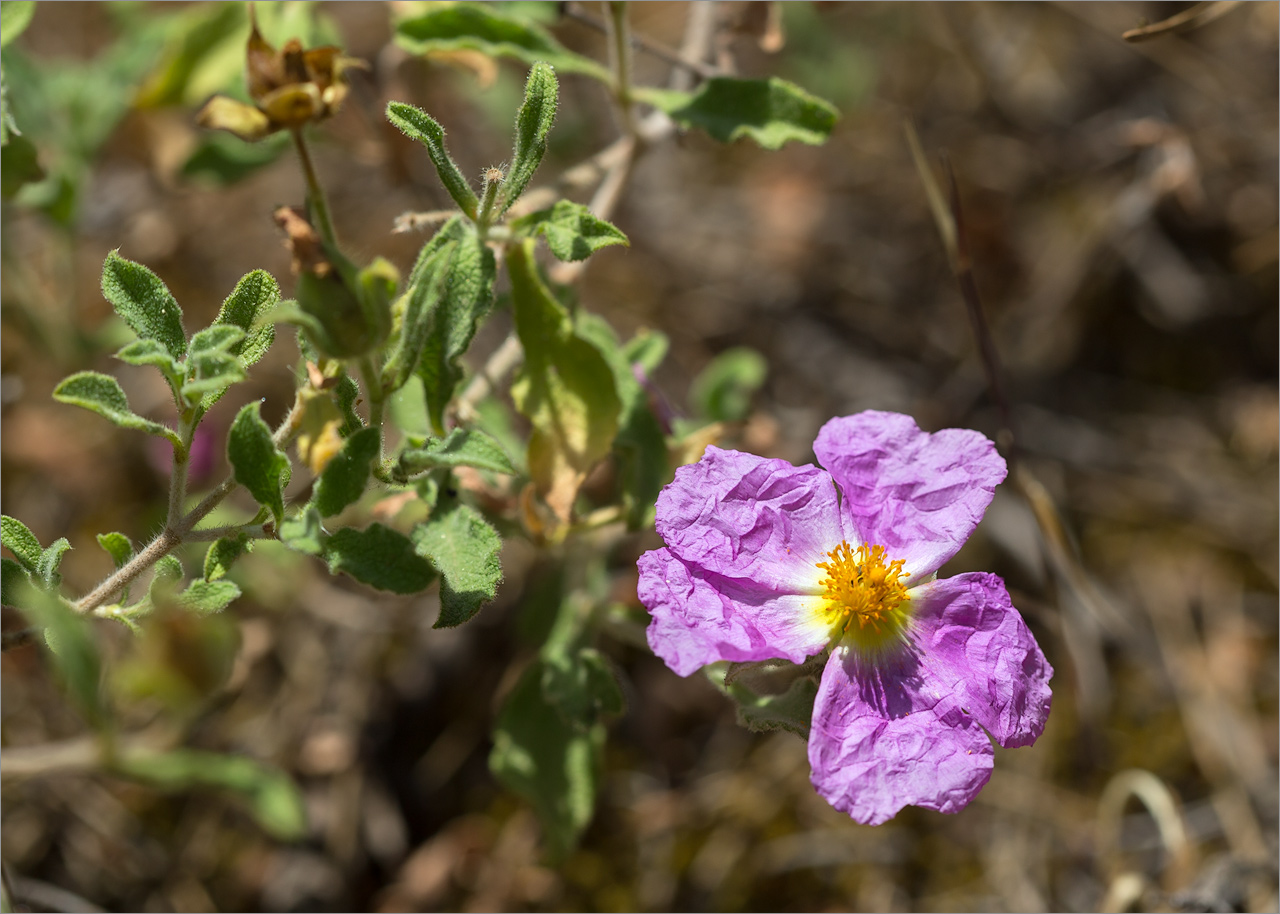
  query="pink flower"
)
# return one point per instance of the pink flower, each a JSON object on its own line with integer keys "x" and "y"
{"x": 765, "y": 560}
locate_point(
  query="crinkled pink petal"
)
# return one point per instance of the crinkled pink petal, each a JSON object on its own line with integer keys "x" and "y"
{"x": 974, "y": 645}
{"x": 880, "y": 741}
{"x": 700, "y": 617}
{"x": 743, "y": 516}
{"x": 918, "y": 495}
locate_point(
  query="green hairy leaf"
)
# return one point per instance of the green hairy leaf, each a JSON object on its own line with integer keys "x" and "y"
{"x": 722, "y": 391}
{"x": 533, "y": 123}
{"x": 582, "y": 687}
{"x": 461, "y": 448}
{"x": 420, "y": 126}
{"x": 464, "y": 548}
{"x": 427, "y": 283}
{"x": 75, "y": 651}
{"x": 550, "y": 763}
{"x": 153, "y": 352}
{"x": 103, "y": 395}
{"x": 258, "y": 464}
{"x": 473, "y": 27}
{"x": 19, "y": 540}
{"x": 772, "y": 112}
{"x": 304, "y": 533}
{"x": 50, "y": 559}
{"x": 144, "y": 302}
{"x": 640, "y": 444}
{"x": 19, "y": 159}
{"x": 207, "y": 597}
{"x": 211, "y": 363}
{"x": 572, "y": 232}
{"x": 165, "y": 580}
{"x": 791, "y": 711}
{"x": 223, "y": 552}
{"x": 15, "y": 16}
{"x": 218, "y": 338}
{"x": 13, "y": 579}
{"x": 565, "y": 388}
{"x": 274, "y": 799}
{"x": 248, "y": 305}
{"x": 347, "y": 392}
{"x": 117, "y": 546}
{"x": 345, "y": 476}
{"x": 452, "y": 323}
{"x": 380, "y": 557}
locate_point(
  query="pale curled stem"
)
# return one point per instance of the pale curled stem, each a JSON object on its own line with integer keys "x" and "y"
{"x": 656, "y": 48}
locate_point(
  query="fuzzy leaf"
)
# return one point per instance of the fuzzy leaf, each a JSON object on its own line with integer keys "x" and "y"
{"x": 582, "y": 687}
{"x": 461, "y": 448}
{"x": 117, "y": 546}
{"x": 223, "y": 552}
{"x": 473, "y": 27}
{"x": 258, "y": 464}
{"x": 791, "y": 711}
{"x": 13, "y": 579}
{"x": 272, "y": 795}
{"x": 641, "y": 446}
{"x": 533, "y": 123}
{"x": 464, "y": 548}
{"x": 553, "y": 765}
{"x": 451, "y": 325}
{"x": 15, "y": 15}
{"x": 647, "y": 349}
{"x": 208, "y": 597}
{"x": 345, "y": 476}
{"x": 347, "y": 393}
{"x": 248, "y": 304}
{"x": 304, "y": 533}
{"x": 722, "y": 391}
{"x": 152, "y": 352}
{"x": 565, "y": 388}
{"x": 144, "y": 302}
{"x": 75, "y": 652}
{"x": 427, "y": 283}
{"x": 19, "y": 540}
{"x": 380, "y": 557}
{"x": 218, "y": 338}
{"x": 420, "y": 126}
{"x": 167, "y": 574}
{"x": 103, "y": 395}
{"x": 213, "y": 373}
{"x": 572, "y": 232}
{"x": 212, "y": 365}
{"x": 50, "y": 559}
{"x": 770, "y": 111}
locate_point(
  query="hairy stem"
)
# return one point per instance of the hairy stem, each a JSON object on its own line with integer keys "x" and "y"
{"x": 175, "y": 534}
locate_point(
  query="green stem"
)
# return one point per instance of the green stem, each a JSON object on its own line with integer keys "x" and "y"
{"x": 315, "y": 193}
{"x": 484, "y": 215}
{"x": 377, "y": 393}
{"x": 181, "y": 466}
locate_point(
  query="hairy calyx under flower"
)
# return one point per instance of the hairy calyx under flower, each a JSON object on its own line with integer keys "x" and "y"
{"x": 866, "y": 597}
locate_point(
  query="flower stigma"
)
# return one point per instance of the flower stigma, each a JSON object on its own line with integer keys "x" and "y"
{"x": 867, "y": 603}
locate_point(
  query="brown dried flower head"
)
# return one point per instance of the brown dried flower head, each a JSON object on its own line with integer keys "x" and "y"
{"x": 290, "y": 88}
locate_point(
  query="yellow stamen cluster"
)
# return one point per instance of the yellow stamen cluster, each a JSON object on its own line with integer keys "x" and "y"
{"x": 866, "y": 599}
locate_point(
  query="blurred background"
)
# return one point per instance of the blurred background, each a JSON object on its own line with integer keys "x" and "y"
{"x": 1120, "y": 208}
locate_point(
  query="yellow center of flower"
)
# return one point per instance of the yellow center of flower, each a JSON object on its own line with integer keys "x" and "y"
{"x": 866, "y": 599}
